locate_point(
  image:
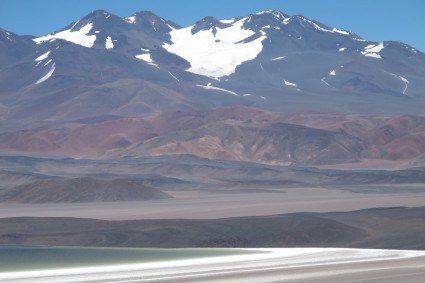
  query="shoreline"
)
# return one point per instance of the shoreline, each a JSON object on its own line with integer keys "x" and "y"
{"x": 275, "y": 260}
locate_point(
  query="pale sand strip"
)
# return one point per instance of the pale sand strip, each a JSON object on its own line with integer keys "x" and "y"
{"x": 219, "y": 205}
{"x": 278, "y": 265}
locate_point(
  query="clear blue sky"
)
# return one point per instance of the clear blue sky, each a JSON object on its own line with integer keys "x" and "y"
{"x": 377, "y": 20}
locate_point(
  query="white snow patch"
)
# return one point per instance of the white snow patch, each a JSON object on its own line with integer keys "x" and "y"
{"x": 276, "y": 27}
{"x": 286, "y": 21}
{"x": 43, "y": 56}
{"x": 325, "y": 82}
{"x": 359, "y": 39}
{"x": 210, "y": 87}
{"x": 332, "y": 73}
{"x": 276, "y": 14}
{"x": 230, "y": 21}
{"x": 96, "y": 31}
{"x": 266, "y": 27}
{"x": 48, "y": 62}
{"x": 374, "y": 48}
{"x": 131, "y": 19}
{"x": 374, "y": 55}
{"x": 143, "y": 49}
{"x": 340, "y": 31}
{"x": 7, "y": 33}
{"x": 261, "y": 66}
{"x": 174, "y": 76}
{"x": 262, "y": 97}
{"x": 215, "y": 55}
{"x": 80, "y": 37}
{"x": 147, "y": 58}
{"x": 404, "y": 80}
{"x": 48, "y": 75}
{"x": 247, "y": 94}
{"x": 289, "y": 83}
{"x": 279, "y": 58}
{"x": 316, "y": 26}
{"x": 342, "y": 49}
{"x": 73, "y": 26}
{"x": 108, "y": 43}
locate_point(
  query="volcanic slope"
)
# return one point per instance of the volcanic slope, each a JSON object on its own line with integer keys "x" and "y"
{"x": 104, "y": 66}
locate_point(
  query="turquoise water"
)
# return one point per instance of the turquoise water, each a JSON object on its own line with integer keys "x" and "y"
{"x": 38, "y": 258}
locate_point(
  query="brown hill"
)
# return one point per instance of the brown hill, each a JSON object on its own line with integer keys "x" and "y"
{"x": 277, "y": 143}
{"x": 80, "y": 190}
{"x": 232, "y": 133}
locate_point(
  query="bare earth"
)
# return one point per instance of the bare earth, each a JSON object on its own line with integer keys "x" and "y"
{"x": 206, "y": 205}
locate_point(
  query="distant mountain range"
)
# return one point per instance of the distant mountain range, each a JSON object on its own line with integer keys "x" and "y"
{"x": 108, "y": 87}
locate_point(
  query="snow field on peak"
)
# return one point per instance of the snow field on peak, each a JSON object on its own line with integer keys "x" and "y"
{"x": 276, "y": 14}
{"x": 373, "y": 50}
{"x": 340, "y": 31}
{"x": 215, "y": 55}
{"x": 131, "y": 19}
{"x": 230, "y": 21}
{"x": 80, "y": 36}
{"x": 317, "y": 27}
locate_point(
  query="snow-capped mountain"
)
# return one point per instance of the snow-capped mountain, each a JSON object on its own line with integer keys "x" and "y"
{"x": 103, "y": 65}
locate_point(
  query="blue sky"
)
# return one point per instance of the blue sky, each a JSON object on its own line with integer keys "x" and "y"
{"x": 375, "y": 20}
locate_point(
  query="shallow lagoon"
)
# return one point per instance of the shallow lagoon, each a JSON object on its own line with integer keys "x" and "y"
{"x": 42, "y": 258}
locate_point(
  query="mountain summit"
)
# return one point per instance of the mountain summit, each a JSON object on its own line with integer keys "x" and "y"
{"x": 105, "y": 65}
{"x": 109, "y": 87}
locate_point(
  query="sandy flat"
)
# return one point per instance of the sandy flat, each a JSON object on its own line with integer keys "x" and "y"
{"x": 278, "y": 265}
{"x": 204, "y": 205}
